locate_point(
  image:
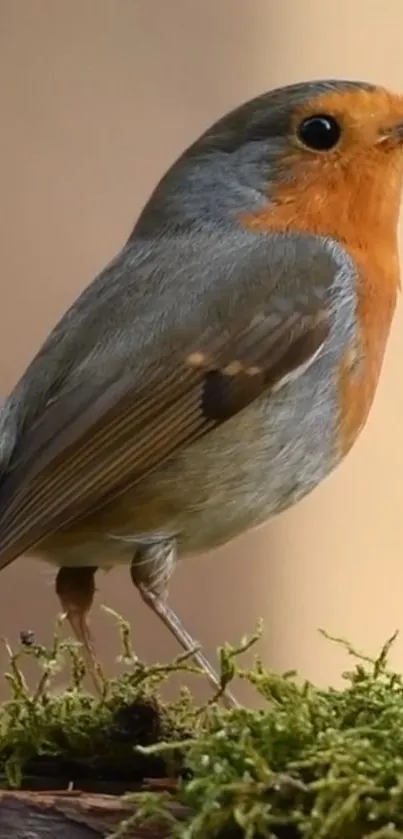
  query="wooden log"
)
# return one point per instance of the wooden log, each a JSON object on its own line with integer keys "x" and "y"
{"x": 71, "y": 815}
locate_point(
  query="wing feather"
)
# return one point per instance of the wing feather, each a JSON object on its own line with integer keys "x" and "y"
{"x": 95, "y": 458}
{"x": 123, "y": 383}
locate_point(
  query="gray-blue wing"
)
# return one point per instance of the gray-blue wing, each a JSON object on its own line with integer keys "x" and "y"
{"x": 123, "y": 410}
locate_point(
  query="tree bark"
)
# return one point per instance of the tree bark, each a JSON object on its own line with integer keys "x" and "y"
{"x": 70, "y": 815}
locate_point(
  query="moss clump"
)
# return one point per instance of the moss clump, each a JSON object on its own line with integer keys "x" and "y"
{"x": 71, "y": 738}
{"x": 50, "y": 739}
{"x": 318, "y": 764}
{"x": 311, "y": 763}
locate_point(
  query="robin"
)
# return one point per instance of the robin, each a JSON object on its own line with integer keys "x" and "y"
{"x": 224, "y": 363}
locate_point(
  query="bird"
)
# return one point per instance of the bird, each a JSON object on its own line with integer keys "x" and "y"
{"x": 225, "y": 361}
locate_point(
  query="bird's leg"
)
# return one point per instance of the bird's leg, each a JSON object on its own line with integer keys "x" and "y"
{"x": 75, "y": 588}
{"x": 169, "y": 618}
{"x": 150, "y": 570}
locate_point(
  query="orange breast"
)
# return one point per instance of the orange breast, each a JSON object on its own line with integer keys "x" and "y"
{"x": 359, "y": 209}
{"x": 377, "y": 291}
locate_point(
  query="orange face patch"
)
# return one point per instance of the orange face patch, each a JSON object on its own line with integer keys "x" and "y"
{"x": 351, "y": 194}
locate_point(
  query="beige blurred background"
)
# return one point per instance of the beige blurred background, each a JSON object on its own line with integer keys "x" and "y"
{"x": 97, "y": 97}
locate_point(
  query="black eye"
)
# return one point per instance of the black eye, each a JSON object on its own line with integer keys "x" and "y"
{"x": 320, "y": 132}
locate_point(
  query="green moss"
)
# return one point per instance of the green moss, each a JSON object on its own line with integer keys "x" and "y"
{"x": 318, "y": 764}
{"x": 314, "y": 763}
{"x": 50, "y": 738}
